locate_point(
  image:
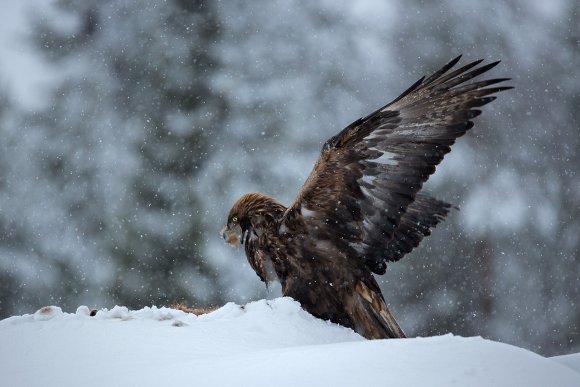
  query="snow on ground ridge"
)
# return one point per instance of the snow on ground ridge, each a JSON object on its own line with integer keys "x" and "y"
{"x": 263, "y": 343}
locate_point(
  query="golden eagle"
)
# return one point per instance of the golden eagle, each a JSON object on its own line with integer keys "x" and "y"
{"x": 362, "y": 204}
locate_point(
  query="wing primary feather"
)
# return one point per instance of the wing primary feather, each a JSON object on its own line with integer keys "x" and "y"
{"x": 478, "y": 85}
{"x": 469, "y": 75}
{"x": 455, "y": 73}
{"x": 443, "y": 70}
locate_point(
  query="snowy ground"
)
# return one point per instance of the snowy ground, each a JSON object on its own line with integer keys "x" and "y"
{"x": 266, "y": 343}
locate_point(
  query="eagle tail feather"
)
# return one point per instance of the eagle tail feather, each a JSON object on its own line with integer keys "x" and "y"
{"x": 373, "y": 319}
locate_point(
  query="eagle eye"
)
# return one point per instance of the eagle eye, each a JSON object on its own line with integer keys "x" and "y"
{"x": 235, "y": 219}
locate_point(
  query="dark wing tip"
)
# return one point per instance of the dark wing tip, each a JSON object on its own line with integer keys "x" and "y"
{"x": 493, "y": 90}
{"x": 474, "y": 113}
{"x": 489, "y": 66}
{"x": 498, "y": 80}
{"x": 454, "y": 61}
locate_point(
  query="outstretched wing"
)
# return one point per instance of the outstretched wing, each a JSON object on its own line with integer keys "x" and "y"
{"x": 362, "y": 193}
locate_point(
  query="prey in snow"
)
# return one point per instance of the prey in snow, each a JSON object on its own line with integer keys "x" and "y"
{"x": 363, "y": 205}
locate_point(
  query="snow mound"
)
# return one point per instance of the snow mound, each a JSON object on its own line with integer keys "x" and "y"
{"x": 264, "y": 343}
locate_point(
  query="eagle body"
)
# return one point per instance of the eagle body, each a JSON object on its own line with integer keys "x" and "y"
{"x": 362, "y": 205}
{"x": 325, "y": 281}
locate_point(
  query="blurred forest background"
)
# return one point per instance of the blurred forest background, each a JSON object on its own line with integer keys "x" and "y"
{"x": 135, "y": 125}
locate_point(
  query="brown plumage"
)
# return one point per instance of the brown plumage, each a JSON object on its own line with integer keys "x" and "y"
{"x": 361, "y": 206}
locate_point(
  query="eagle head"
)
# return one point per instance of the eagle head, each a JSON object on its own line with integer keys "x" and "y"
{"x": 249, "y": 213}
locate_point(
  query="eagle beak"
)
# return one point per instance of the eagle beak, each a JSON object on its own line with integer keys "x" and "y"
{"x": 232, "y": 235}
